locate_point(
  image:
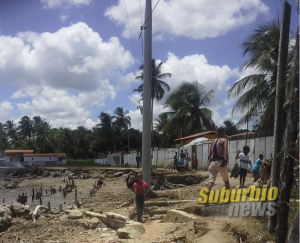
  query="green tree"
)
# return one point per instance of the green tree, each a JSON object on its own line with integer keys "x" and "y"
{"x": 25, "y": 127}
{"x": 188, "y": 103}
{"x": 83, "y": 141}
{"x": 108, "y": 128}
{"x": 230, "y": 127}
{"x": 66, "y": 141}
{"x": 258, "y": 90}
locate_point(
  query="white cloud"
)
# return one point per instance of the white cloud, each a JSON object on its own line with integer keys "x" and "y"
{"x": 18, "y": 94}
{"x": 134, "y": 98}
{"x": 63, "y": 17}
{"x": 5, "y": 108}
{"x": 51, "y": 4}
{"x": 192, "y": 19}
{"x": 64, "y": 73}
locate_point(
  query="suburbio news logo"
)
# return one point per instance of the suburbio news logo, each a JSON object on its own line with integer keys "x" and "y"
{"x": 261, "y": 202}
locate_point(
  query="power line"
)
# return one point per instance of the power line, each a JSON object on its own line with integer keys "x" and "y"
{"x": 142, "y": 42}
{"x": 130, "y": 34}
{"x": 143, "y": 26}
{"x": 117, "y": 35}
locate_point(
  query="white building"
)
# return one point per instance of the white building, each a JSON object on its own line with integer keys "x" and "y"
{"x": 45, "y": 159}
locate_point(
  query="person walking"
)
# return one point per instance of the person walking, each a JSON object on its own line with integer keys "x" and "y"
{"x": 137, "y": 158}
{"x": 218, "y": 157}
{"x": 245, "y": 160}
{"x": 139, "y": 188}
{"x": 255, "y": 169}
{"x": 175, "y": 160}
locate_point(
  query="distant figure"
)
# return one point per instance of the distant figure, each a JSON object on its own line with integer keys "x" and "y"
{"x": 195, "y": 163}
{"x": 256, "y": 167}
{"x": 139, "y": 188}
{"x": 175, "y": 159}
{"x": 182, "y": 156}
{"x": 137, "y": 158}
{"x": 244, "y": 161}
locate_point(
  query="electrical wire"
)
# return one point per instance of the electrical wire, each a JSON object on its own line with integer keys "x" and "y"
{"x": 123, "y": 54}
{"x": 130, "y": 35}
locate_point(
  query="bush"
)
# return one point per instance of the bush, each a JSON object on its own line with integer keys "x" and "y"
{"x": 81, "y": 162}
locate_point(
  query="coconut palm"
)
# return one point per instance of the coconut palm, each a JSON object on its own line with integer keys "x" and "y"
{"x": 9, "y": 127}
{"x": 158, "y": 86}
{"x": 122, "y": 121}
{"x": 108, "y": 127}
{"x": 230, "y": 128}
{"x": 83, "y": 140}
{"x": 26, "y": 126}
{"x": 161, "y": 122}
{"x": 66, "y": 140}
{"x": 188, "y": 102}
{"x": 258, "y": 90}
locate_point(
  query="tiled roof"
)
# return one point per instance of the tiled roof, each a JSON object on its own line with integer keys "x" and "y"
{"x": 45, "y": 155}
{"x": 18, "y": 151}
{"x": 196, "y": 135}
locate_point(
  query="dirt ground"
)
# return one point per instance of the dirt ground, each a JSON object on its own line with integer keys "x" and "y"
{"x": 56, "y": 228}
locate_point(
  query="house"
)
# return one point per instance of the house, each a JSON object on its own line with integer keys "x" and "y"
{"x": 185, "y": 140}
{"x": 16, "y": 155}
{"x": 45, "y": 159}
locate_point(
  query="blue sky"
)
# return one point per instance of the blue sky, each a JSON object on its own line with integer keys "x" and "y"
{"x": 62, "y": 59}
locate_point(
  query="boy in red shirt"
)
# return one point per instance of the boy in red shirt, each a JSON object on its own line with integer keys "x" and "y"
{"x": 195, "y": 163}
{"x": 139, "y": 188}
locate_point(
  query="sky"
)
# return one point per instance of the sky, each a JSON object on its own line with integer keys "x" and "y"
{"x": 69, "y": 60}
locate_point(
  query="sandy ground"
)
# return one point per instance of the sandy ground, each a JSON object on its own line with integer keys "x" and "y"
{"x": 56, "y": 228}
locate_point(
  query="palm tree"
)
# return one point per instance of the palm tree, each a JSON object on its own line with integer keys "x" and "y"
{"x": 158, "y": 86}
{"x": 188, "y": 103}
{"x": 83, "y": 140}
{"x": 230, "y": 128}
{"x": 161, "y": 122}
{"x": 262, "y": 47}
{"x": 3, "y": 138}
{"x": 9, "y": 127}
{"x": 122, "y": 121}
{"x": 65, "y": 140}
{"x": 108, "y": 127}
{"x": 26, "y": 126}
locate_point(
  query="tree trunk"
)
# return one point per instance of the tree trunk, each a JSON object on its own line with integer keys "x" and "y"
{"x": 294, "y": 233}
{"x": 279, "y": 102}
{"x": 114, "y": 146}
{"x": 290, "y": 137}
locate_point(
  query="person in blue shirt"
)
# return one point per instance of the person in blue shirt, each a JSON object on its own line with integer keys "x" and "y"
{"x": 137, "y": 158}
{"x": 256, "y": 166}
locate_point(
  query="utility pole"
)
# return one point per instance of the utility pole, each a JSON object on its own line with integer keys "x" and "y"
{"x": 147, "y": 116}
{"x": 128, "y": 137}
{"x": 279, "y": 102}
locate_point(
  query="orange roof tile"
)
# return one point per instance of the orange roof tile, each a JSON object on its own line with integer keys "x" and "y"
{"x": 18, "y": 151}
{"x": 196, "y": 135}
{"x": 45, "y": 155}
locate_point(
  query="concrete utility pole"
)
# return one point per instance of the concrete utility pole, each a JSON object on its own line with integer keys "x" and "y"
{"x": 146, "y": 139}
{"x": 279, "y": 102}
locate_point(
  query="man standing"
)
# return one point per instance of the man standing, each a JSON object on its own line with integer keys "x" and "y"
{"x": 245, "y": 160}
{"x": 175, "y": 158}
{"x": 218, "y": 156}
{"x": 137, "y": 158}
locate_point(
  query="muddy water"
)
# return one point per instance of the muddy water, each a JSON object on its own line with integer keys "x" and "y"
{"x": 25, "y": 186}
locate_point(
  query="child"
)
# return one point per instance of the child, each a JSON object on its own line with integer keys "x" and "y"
{"x": 182, "y": 156}
{"x": 256, "y": 166}
{"x": 195, "y": 163}
{"x": 244, "y": 161}
{"x": 139, "y": 188}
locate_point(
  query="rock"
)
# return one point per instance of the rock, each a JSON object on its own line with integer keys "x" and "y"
{"x": 178, "y": 216}
{"x": 5, "y": 222}
{"x": 157, "y": 211}
{"x": 102, "y": 176}
{"x": 179, "y": 235}
{"x": 118, "y": 174}
{"x": 132, "y": 213}
{"x": 131, "y": 231}
{"x": 74, "y": 214}
{"x": 19, "y": 210}
{"x": 193, "y": 209}
{"x": 100, "y": 216}
{"x": 89, "y": 223}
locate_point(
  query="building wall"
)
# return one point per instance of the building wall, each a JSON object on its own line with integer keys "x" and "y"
{"x": 101, "y": 161}
{"x": 130, "y": 159}
{"x": 41, "y": 159}
{"x": 163, "y": 157}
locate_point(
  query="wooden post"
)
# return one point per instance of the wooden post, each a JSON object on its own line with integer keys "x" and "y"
{"x": 41, "y": 202}
{"x": 49, "y": 206}
{"x": 60, "y": 188}
{"x": 60, "y": 208}
{"x": 294, "y": 233}
{"x": 290, "y": 138}
{"x": 75, "y": 196}
{"x": 279, "y": 102}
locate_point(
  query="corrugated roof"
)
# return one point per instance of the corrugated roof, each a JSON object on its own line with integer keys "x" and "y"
{"x": 45, "y": 155}
{"x": 241, "y": 134}
{"x": 18, "y": 151}
{"x": 196, "y": 135}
